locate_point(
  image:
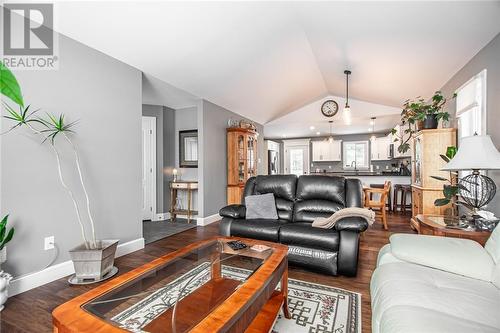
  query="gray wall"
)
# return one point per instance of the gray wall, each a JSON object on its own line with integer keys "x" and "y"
{"x": 488, "y": 58}
{"x": 105, "y": 96}
{"x": 212, "y": 124}
{"x": 165, "y": 151}
{"x": 186, "y": 119}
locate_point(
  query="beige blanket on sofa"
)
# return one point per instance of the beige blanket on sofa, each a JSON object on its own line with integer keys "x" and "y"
{"x": 329, "y": 222}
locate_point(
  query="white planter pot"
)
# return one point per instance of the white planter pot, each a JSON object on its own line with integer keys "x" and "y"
{"x": 4, "y": 284}
{"x": 93, "y": 264}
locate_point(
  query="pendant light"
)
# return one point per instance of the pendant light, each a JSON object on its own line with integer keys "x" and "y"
{"x": 347, "y": 108}
{"x": 372, "y": 128}
{"x": 330, "y": 138}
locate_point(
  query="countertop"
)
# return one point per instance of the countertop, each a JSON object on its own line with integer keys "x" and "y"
{"x": 358, "y": 173}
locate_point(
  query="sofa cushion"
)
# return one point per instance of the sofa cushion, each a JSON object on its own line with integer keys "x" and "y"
{"x": 303, "y": 234}
{"x": 258, "y": 229}
{"x": 329, "y": 188}
{"x": 406, "y": 284}
{"x": 308, "y": 210}
{"x": 318, "y": 196}
{"x": 493, "y": 248}
{"x": 282, "y": 186}
{"x": 460, "y": 256}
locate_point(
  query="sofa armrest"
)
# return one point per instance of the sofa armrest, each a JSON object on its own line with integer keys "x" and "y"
{"x": 352, "y": 223}
{"x": 455, "y": 255}
{"x": 234, "y": 211}
{"x": 347, "y": 260}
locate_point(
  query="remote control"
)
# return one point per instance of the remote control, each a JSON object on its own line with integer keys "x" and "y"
{"x": 237, "y": 245}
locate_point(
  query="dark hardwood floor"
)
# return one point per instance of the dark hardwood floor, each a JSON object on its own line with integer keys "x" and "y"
{"x": 31, "y": 311}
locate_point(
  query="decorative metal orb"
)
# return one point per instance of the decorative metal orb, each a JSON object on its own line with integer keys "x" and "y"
{"x": 481, "y": 190}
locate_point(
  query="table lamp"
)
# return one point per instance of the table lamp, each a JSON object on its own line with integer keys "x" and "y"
{"x": 476, "y": 153}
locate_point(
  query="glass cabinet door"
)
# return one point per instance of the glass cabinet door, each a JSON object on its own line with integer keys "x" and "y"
{"x": 241, "y": 158}
{"x": 418, "y": 161}
{"x": 251, "y": 147}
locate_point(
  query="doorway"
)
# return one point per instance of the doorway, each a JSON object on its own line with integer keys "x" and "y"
{"x": 148, "y": 168}
{"x": 296, "y": 157}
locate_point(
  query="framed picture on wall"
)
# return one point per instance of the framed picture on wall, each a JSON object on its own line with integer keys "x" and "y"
{"x": 188, "y": 149}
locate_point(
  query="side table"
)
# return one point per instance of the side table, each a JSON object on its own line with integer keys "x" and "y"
{"x": 435, "y": 225}
{"x": 188, "y": 186}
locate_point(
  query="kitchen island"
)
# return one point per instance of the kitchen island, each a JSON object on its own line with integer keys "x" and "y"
{"x": 368, "y": 178}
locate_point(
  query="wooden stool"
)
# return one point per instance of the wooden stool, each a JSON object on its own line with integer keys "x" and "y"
{"x": 402, "y": 205}
{"x": 389, "y": 197}
{"x": 380, "y": 204}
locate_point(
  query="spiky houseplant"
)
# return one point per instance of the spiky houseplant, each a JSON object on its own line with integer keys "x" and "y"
{"x": 49, "y": 129}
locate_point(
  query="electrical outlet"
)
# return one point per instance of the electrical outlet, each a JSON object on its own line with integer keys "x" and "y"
{"x": 48, "y": 243}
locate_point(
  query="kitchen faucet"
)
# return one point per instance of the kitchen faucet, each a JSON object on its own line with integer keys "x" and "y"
{"x": 355, "y": 165}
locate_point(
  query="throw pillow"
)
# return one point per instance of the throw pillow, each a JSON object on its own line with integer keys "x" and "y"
{"x": 261, "y": 206}
{"x": 329, "y": 222}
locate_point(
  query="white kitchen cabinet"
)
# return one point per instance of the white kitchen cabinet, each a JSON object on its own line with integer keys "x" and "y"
{"x": 324, "y": 151}
{"x": 336, "y": 150}
{"x": 379, "y": 150}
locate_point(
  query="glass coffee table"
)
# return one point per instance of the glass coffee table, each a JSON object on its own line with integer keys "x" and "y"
{"x": 204, "y": 287}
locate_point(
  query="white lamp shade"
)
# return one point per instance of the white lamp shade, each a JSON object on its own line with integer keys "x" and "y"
{"x": 475, "y": 153}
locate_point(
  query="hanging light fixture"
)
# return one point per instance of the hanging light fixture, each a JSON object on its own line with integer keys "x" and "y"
{"x": 330, "y": 138}
{"x": 347, "y": 108}
{"x": 372, "y": 124}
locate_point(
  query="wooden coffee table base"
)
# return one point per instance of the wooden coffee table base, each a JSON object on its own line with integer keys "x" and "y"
{"x": 252, "y": 307}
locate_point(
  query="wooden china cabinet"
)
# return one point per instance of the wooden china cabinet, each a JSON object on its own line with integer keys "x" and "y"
{"x": 426, "y": 147}
{"x": 241, "y": 161}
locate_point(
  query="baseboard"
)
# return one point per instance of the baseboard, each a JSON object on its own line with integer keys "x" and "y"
{"x": 202, "y": 221}
{"x": 54, "y": 272}
{"x": 161, "y": 217}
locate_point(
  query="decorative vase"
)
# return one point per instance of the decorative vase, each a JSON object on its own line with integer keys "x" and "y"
{"x": 4, "y": 284}
{"x": 430, "y": 121}
{"x": 91, "y": 265}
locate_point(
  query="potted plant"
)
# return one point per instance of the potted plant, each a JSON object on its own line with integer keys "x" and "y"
{"x": 450, "y": 190}
{"x": 5, "y": 237}
{"x": 93, "y": 259}
{"x": 417, "y": 115}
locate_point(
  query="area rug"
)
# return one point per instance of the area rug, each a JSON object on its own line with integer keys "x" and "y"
{"x": 315, "y": 308}
{"x": 153, "y": 231}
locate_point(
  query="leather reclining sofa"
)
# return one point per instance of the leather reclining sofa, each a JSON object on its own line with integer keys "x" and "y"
{"x": 298, "y": 202}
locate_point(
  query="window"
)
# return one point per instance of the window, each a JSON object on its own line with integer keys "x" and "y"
{"x": 471, "y": 106}
{"x": 471, "y": 109}
{"x": 355, "y": 155}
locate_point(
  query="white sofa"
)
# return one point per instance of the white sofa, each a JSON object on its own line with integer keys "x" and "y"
{"x": 436, "y": 284}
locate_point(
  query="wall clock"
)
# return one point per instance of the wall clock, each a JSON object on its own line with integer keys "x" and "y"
{"x": 329, "y": 108}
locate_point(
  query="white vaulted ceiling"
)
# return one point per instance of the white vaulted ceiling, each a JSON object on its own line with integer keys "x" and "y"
{"x": 266, "y": 59}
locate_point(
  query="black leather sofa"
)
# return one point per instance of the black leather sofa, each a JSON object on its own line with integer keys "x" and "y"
{"x": 298, "y": 202}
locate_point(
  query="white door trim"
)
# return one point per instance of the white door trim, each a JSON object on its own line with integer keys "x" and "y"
{"x": 152, "y": 121}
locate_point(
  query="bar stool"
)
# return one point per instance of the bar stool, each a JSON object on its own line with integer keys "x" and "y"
{"x": 389, "y": 195}
{"x": 402, "y": 204}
